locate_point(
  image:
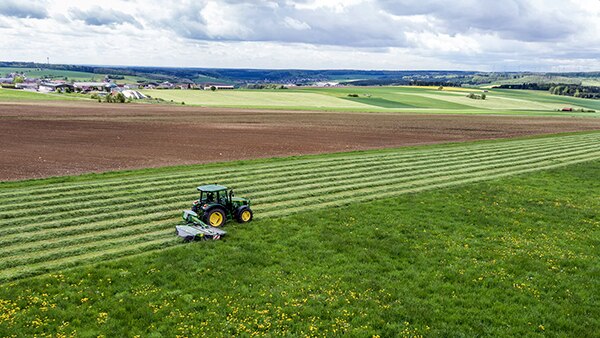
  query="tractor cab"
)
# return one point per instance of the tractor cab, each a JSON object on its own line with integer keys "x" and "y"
{"x": 217, "y": 205}
{"x": 215, "y": 194}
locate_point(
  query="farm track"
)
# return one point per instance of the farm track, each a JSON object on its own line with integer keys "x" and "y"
{"x": 109, "y": 218}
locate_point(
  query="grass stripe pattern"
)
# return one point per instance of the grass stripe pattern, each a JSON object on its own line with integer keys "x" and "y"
{"x": 47, "y": 227}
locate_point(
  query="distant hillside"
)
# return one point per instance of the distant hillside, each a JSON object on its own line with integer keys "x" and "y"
{"x": 306, "y": 77}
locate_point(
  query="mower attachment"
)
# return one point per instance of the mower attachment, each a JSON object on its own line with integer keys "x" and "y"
{"x": 195, "y": 229}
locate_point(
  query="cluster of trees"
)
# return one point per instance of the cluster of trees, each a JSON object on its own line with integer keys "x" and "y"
{"x": 586, "y": 92}
{"x": 111, "y": 98}
{"x": 67, "y": 90}
{"x": 476, "y": 96}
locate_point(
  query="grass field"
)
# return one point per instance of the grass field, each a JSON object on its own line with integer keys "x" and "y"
{"x": 370, "y": 99}
{"x": 12, "y": 95}
{"x": 385, "y": 99}
{"x": 70, "y": 75}
{"x": 512, "y": 256}
{"x": 255, "y": 98}
{"x": 99, "y": 218}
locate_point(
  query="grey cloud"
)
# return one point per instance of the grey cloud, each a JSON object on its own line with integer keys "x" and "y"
{"x": 366, "y": 24}
{"x": 23, "y": 9}
{"x": 511, "y": 19}
{"x": 376, "y": 33}
{"x": 358, "y": 26}
{"x": 98, "y": 16}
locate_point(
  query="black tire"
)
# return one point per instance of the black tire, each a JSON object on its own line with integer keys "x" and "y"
{"x": 244, "y": 214}
{"x": 209, "y": 215}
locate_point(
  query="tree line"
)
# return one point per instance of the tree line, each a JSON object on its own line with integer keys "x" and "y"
{"x": 585, "y": 92}
{"x": 575, "y": 90}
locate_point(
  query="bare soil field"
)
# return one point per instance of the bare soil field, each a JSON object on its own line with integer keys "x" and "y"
{"x": 45, "y": 139}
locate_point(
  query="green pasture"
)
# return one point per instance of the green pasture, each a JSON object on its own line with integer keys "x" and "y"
{"x": 481, "y": 239}
{"x": 70, "y": 75}
{"x": 545, "y": 97}
{"x": 13, "y": 95}
{"x": 255, "y": 99}
{"x": 456, "y": 98}
{"x": 427, "y": 100}
{"x": 99, "y": 218}
{"x": 387, "y": 99}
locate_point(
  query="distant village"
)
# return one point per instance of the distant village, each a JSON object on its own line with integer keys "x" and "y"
{"x": 19, "y": 81}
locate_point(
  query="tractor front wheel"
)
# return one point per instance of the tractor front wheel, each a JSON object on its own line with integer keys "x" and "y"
{"x": 215, "y": 217}
{"x": 244, "y": 214}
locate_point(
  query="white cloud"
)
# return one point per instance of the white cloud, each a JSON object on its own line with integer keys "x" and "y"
{"x": 295, "y": 24}
{"x": 337, "y": 6}
{"x": 223, "y": 22}
{"x": 370, "y": 34}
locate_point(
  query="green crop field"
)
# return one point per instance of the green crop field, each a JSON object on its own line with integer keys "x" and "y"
{"x": 425, "y": 241}
{"x": 426, "y": 100}
{"x": 255, "y": 98}
{"x": 387, "y": 99}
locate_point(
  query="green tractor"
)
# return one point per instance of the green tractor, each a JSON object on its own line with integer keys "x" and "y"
{"x": 216, "y": 206}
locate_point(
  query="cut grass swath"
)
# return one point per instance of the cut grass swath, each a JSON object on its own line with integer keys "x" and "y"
{"x": 37, "y": 192}
{"x": 275, "y": 190}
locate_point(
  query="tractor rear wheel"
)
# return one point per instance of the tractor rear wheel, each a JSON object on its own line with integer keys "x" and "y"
{"x": 244, "y": 214}
{"x": 215, "y": 217}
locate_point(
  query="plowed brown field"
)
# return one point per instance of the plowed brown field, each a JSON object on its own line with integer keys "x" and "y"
{"x": 65, "y": 138}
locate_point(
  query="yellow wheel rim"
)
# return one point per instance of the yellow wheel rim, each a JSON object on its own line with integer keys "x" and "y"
{"x": 216, "y": 219}
{"x": 246, "y": 216}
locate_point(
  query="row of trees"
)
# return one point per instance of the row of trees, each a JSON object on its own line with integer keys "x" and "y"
{"x": 528, "y": 86}
{"x": 586, "y": 92}
{"x": 575, "y": 90}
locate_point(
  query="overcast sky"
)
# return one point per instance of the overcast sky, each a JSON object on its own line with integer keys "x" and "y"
{"x": 489, "y": 35}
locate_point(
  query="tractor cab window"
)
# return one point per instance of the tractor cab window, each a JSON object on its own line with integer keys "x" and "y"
{"x": 222, "y": 197}
{"x": 210, "y": 197}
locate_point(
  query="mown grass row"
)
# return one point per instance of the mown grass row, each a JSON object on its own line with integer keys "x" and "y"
{"x": 57, "y": 202}
{"x": 47, "y": 238}
{"x": 77, "y": 223}
{"x": 37, "y": 193}
{"x": 146, "y": 199}
{"x": 270, "y": 191}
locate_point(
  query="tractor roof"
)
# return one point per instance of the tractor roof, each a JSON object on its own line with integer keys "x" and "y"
{"x": 211, "y": 188}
